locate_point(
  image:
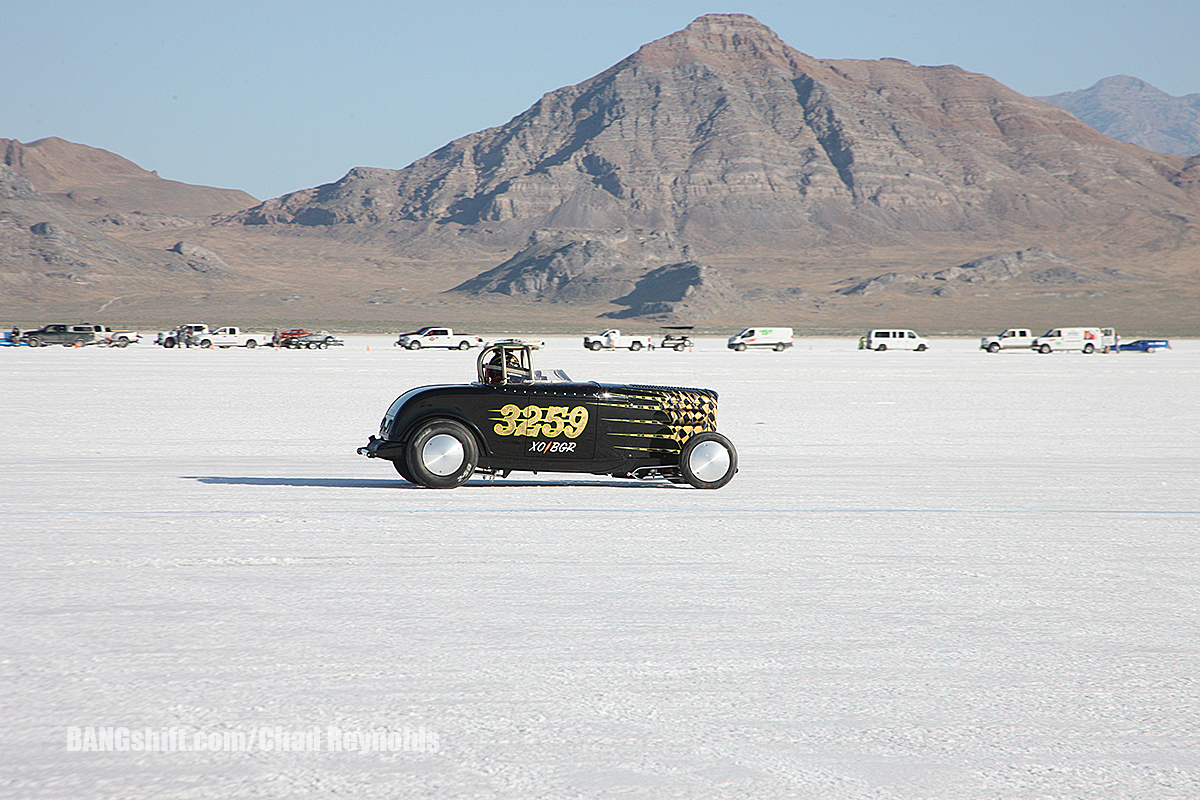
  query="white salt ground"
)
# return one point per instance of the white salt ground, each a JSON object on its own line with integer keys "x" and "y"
{"x": 937, "y": 575}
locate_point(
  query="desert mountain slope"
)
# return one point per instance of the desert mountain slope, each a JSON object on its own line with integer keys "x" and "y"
{"x": 722, "y": 132}
{"x": 1131, "y": 110}
{"x": 93, "y": 183}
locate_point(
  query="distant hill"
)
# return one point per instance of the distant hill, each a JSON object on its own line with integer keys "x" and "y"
{"x": 93, "y": 183}
{"x": 1131, "y": 110}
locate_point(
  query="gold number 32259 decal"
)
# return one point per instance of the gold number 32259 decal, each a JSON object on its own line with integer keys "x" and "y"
{"x": 549, "y": 422}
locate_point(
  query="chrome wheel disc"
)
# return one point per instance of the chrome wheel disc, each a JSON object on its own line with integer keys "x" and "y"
{"x": 709, "y": 461}
{"x": 443, "y": 454}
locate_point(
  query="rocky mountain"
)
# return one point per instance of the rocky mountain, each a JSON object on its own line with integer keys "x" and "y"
{"x": 1131, "y": 110}
{"x": 721, "y": 132}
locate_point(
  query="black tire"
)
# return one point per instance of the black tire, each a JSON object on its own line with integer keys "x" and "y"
{"x": 251, "y": 344}
{"x": 464, "y": 345}
{"x": 921, "y": 348}
{"x": 1089, "y": 348}
{"x": 635, "y": 346}
{"x": 441, "y": 454}
{"x": 34, "y": 341}
{"x": 708, "y": 460}
{"x": 122, "y": 341}
{"x": 1044, "y": 348}
{"x": 402, "y": 467}
{"x": 595, "y": 346}
{"x": 414, "y": 345}
{"x": 206, "y": 344}
{"x": 679, "y": 348}
{"x": 881, "y": 348}
{"x": 739, "y": 348}
{"x": 994, "y": 347}
{"x": 168, "y": 343}
{"x": 778, "y": 348}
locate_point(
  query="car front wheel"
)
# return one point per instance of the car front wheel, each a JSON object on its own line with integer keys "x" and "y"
{"x": 1044, "y": 348}
{"x": 594, "y": 346}
{"x": 414, "y": 345}
{"x": 708, "y": 460}
{"x": 994, "y": 347}
{"x": 441, "y": 455}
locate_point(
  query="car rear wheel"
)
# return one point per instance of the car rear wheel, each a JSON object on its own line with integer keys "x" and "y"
{"x": 708, "y": 460}
{"x": 464, "y": 345}
{"x": 635, "y": 346}
{"x": 881, "y": 348}
{"x": 441, "y": 455}
{"x": 402, "y": 468}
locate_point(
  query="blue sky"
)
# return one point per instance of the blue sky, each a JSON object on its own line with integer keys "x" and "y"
{"x": 271, "y": 97}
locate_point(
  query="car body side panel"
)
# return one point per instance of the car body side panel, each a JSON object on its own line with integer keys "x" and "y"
{"x": 559, "y": 427}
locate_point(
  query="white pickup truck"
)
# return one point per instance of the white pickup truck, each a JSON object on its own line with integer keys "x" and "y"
{"x": 177, "y": 337}
{"x": 613, "y": 339}
{"x": 231, "y": 336}
{"x": 1011, "y": 339}
{"x": 438, "y": 337}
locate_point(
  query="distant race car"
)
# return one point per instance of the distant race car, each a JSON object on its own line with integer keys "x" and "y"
{"x": 1145, "y": 345}
{"x": 516, "y": 418}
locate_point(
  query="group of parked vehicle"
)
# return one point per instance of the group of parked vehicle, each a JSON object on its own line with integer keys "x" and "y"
{"x": 199, "y": 335}
{"x": 190, "y": 335}
{"x": 80, "y": 335}
{"x": 1083, "y": 340}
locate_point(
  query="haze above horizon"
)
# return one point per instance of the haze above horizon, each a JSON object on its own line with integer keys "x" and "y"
{"x": 272, "y": 98}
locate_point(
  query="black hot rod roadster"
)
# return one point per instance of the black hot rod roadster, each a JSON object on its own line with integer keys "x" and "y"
{"x": 516, "y": 418}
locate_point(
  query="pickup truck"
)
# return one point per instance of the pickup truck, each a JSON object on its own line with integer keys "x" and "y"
{"x": 1011, "y": 339}
{"x": 613, "y": 339}
{"x": 231, "y": 336}
{"x": 66, "y": 335}
{"x": 177, "y": 337}
{"x": 438, "y": 337}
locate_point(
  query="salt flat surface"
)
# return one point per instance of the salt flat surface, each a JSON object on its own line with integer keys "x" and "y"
{"x": 937, "y": 575}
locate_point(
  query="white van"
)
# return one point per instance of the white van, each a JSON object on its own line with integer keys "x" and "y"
{"x": 778, "y": 339}
{"x": 1085, "y": 340}
{"x": 892, "y": 339}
